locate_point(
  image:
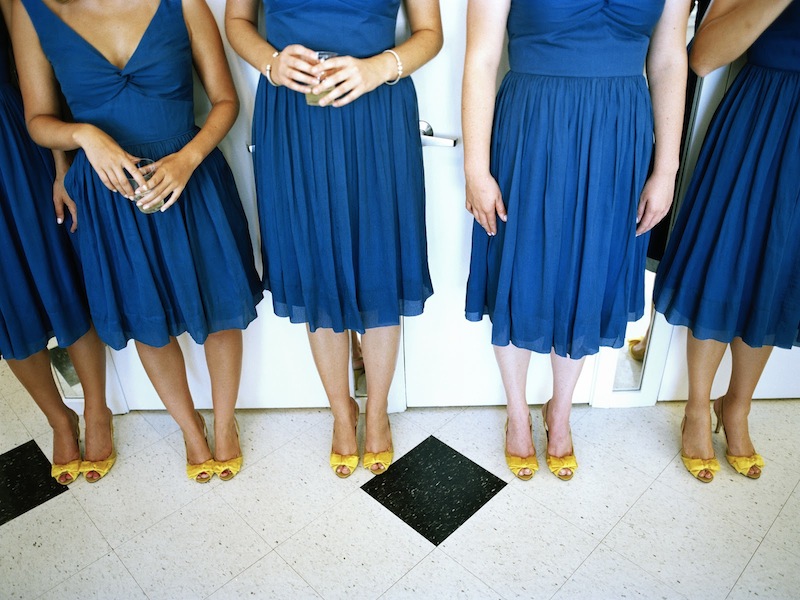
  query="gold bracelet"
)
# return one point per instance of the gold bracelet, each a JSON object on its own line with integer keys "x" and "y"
{"x": 268, "y": 70}
{"x": 399, "y": 66}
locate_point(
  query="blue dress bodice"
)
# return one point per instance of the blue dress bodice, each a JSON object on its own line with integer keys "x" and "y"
{"x": 779, "y": 46}
{"x": 581, "y": 38}
{"x": 149, "y": 99}
{"x": 358, "y": 28}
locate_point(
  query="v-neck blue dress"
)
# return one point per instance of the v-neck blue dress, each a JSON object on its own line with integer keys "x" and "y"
{"x": 41, "y": 290}
{"x": 571, "y": 147}
{"x": 341, "y": 194}
{"x": 732, "y": 266}
{"x": 149, "y": 277}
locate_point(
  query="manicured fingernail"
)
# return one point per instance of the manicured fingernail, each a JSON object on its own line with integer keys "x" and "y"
{"x": 59, "y": 220}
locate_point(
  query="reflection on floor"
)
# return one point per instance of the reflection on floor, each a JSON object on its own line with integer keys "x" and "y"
{"x": 628, "y": 375}
{"x": 632, "y": 523}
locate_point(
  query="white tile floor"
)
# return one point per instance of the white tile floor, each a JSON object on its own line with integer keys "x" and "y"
{"x": 631, "y": 524}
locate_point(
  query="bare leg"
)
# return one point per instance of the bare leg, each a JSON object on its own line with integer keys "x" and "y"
{"x": 88, "y": 356}
{"x": 566, "y": 372}
{"x": 748, "y": 365}
{"x": 224, "y": 357}
{"x": 331, "y": 353}
{"x": 513, "y": 363}
{"x": 703, "y": 358}
{"x": 380, "y": 346}
{"x": 35, "y": 376}
{"x": 167, "y": 371}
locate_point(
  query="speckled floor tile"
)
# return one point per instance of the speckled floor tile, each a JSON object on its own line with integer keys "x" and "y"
{"x": 28, "y": 412}
{"x": 606, "y": 574}
{"x": 644, "y": 436}
{"x": 104, "y": 579}
{"x": 160, "y": 420}
{"x": 680, "y": 541}
{"x": 439, "y": 576}
{"x": 25, "y": 481}
{"x": 154, "y": 483}
{"x": 9, "y": 384}
{"x": 45, "y": 546}
{"x": 518, "y": 547}
{"x": 193, "y": 551}
{"x": 785, "y": 531}
{"x": 357, "y": 549}
{"x": 270, "y": 577}
{"x": 753, "y": 504}
{"x": 587, "y": 500}
{"x": 773, "y": 428}
{"x": 431, "y": 419}
{"x": 434, "y": 489}
{"x": 12, "y": 432}
{"x": 772, "y": 573}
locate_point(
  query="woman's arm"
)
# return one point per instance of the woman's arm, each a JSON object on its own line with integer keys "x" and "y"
{"x": 43, "y": 112}
{"x": 290, "y": 68}
{"x": 353, "y": 77}
{"x": 173, "y": 171}
{"x": 667, "y": 70}
{"x": 486, "y": 25}
{"x": 729, "y": 28}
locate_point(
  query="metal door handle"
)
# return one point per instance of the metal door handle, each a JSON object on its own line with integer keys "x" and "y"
{"x": 428, "y": 139}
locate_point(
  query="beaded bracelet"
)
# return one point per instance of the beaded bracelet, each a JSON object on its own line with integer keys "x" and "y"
{"x": 268, "y": 70}
{"x": 399, "y": 66}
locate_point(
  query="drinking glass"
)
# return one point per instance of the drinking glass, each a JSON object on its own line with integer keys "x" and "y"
{"x": 322, "y": 56}
{"x": 146, "y": 167}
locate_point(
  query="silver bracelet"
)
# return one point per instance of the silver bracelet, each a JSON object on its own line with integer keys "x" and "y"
{"x": 399, "y": 66}
{"x": 268, "y": 70}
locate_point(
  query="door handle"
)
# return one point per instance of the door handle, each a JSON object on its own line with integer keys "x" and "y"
{"x": 429, "y": 139}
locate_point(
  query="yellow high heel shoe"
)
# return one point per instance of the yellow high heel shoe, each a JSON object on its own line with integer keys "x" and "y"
{"x": 384, "y": 458}
{"x": 346, "y": 460}
{"x": 206, "y": 468}
{"x": 742, "y": 464}
{"x": 233, "y": 465}
{"x": 73, "y": 467}
{"x": 557, "y": 463}
{"x": 101, "y": 467}
{"x": 637, "y": 355}
{"x": 695, "y": 465}
{"x": 517, "y": 463}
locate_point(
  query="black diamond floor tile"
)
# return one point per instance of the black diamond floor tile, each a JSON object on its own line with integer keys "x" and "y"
{"x": 434, "y": 489}
{"x": 25, "y": 481}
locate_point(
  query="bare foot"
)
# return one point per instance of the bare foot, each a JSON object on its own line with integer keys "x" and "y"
{"x": 226, "y": 444}
{"x": 519, "y": 441}
{"x": 737, "y": 433}
{"x": 345, "y": 441}
{"x": 98, "y": 441}
{"x": 696, "y": 439}
{"x": 559, "y": 434}
{"x": 378, "y": 438}
{"x": 65, "y": 443}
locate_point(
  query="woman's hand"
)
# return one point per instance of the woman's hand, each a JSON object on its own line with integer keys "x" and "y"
{"x": 292, "y": 68}
{"x": 654, "y": 201}
{"x": 60, "y": 200}
{"x": 109, "y": 160}
{"x": 348, "y": 78}
{"x": 485, "y": 202}
{"x": 171, "y": 175}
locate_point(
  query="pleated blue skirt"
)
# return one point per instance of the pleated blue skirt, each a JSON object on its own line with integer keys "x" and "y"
{"x": 152, "y": 276}
{"x": 571, "y": 156}
{"x": 732, "y": 267}
{"x": 341, "y": 200}
{"x": 41, "y": 290}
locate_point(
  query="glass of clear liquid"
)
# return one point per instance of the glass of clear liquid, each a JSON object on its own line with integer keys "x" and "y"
{"x": 146, "y": 168}
{"x": 322, "y": 56}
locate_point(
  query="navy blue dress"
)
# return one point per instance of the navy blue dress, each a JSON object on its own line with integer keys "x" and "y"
{"x": 41, "y": 290}
{"x": 571, "y": 147}
{"x": 341, "y": 194}
{"x": 732, "y": 266}
{"x": 151, "y": 276}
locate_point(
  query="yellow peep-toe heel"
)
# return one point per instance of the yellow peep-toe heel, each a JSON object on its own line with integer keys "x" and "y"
{"x": 695, "y": 465}
{"x": 196, "y": 472}
{"x": 558, "y": 463}
{"x": 384, "y": 458}
{"x": 73, "y": 467}
{"x": 518, "y": 463}
{"x": 742, "y": 464}
{"x": 231, "y": 466}
{"x": 101, "y": 467}
{"x": 346, "y": 460}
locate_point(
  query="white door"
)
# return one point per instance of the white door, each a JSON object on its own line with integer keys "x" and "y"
{"x": 448, "y": 360}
